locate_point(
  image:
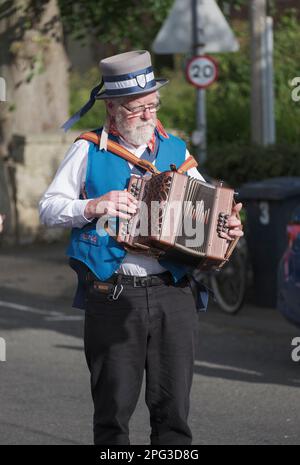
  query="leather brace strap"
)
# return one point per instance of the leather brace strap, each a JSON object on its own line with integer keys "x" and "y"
{"x": 117, "y": 149}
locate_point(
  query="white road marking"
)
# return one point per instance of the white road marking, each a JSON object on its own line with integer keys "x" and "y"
{"x": 226, "y": 367}
{"x": 49, "y": 315}
{"x": 23, "y": 308}
{"x": 64, "y": 318}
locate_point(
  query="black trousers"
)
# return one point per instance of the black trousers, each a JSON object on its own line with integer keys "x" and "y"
{"x": 152, "y": 329}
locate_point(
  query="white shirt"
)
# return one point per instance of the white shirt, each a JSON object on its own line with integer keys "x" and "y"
{"x": 61, "y": 206}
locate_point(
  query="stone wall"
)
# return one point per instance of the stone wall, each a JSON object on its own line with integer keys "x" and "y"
{"x": 34, "y": 161}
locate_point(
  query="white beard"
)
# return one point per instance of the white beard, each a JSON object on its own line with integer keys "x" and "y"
{"x": 136, "y": 135}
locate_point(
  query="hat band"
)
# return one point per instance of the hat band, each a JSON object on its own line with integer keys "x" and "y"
{"x": 130, "y": 83}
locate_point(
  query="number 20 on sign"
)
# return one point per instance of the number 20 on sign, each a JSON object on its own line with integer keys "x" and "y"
{"x": 201, "y": 71}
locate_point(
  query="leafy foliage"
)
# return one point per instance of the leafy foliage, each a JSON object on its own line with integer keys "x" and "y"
{"x": 231, "y": 157}
{"x": 228, "y": 100}
{"x": 286, "y": 63}
{"x": 239, "y": 164}
{"x": 120, "y": 24}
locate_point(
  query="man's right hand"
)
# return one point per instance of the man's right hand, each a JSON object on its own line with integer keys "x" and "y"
{"x": 114, "y": 203}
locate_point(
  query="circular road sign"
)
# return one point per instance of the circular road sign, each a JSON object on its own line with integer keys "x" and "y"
{"x": 201, "y": 71}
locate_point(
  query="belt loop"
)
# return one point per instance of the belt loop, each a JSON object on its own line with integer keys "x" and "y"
{"x": 119, "y": 279}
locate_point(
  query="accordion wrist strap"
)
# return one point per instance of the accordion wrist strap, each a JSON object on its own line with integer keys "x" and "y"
{"x": 117, "y": 149}
{"x": 189, "y": 163}
{"x": 233, "y": 243}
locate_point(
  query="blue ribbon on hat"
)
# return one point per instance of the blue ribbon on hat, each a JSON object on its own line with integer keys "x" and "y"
{"x": 76, "y": 117}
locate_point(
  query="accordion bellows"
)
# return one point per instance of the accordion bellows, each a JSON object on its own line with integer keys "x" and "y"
{"x": 179, "y": 217}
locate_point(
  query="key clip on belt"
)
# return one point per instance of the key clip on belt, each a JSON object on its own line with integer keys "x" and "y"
{"x": 116, "y": 290}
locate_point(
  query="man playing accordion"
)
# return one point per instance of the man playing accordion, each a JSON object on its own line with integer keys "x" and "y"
{"x": 140, "y": 313}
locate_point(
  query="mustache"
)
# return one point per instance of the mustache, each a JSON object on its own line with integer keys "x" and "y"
{"x": 150, "y": 124}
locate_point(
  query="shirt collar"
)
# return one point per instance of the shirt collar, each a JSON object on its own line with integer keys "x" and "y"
{"x": 151, "y": 144}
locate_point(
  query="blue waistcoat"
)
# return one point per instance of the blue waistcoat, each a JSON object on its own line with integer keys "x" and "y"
{"x": 106, "y": 172}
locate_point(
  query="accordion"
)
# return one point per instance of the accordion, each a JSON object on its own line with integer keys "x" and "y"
{"x": 179, "y": 217}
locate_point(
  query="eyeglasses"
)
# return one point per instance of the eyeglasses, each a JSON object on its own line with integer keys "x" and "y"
{"x": 137, "y": 111}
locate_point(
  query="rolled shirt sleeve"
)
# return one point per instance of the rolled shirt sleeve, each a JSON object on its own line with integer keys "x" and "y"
{"x": 60, "y": 204}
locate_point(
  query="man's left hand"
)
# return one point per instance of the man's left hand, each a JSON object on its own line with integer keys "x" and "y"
{"x": 234, "y": 224}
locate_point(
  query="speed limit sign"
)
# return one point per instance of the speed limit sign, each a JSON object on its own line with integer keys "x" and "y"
{"x": 201, "y": 71}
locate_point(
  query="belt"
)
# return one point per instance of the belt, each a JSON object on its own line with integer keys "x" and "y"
{"x": 136, "y": 281}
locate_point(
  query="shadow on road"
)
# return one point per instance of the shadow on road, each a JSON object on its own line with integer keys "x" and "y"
{"x": 253, "y": 346}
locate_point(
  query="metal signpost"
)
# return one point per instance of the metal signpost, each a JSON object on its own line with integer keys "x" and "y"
{"x": 201, "y": 72}
{"x": 262, "y": 85}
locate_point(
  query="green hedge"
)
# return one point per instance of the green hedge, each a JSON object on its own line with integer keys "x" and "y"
{"x": 239, "y": 164}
